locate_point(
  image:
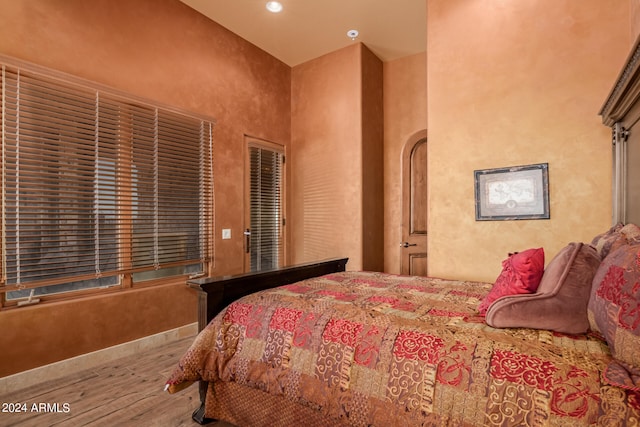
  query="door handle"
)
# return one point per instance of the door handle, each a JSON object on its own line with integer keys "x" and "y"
{"x": 247, "y": 240}
{"x": 407, "y": 244}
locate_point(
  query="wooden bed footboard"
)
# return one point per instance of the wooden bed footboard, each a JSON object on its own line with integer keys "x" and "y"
{"x": 215, "y": 293}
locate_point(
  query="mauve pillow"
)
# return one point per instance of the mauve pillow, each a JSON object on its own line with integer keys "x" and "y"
{"x": 604, "y": 241}
{"x": 560, "y": 304}
{"x": 521, "y": 274}
{"x": 631, "y": 232}
{"x": 614, "y": 311}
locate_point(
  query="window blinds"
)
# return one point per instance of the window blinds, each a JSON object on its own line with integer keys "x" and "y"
{"x": 95, "y": 185}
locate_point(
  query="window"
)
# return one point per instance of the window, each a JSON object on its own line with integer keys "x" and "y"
{"x": 98, "y": 190}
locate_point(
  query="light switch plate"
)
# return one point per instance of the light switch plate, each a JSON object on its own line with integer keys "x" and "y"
{"x": 226, "y": 233}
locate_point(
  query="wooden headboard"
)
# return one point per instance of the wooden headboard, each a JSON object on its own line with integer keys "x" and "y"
{"x": 621, "y": 112}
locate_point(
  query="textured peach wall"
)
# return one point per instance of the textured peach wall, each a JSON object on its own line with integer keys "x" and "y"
{"x": 163, "y": 51}
{"x": 405, "y": 113}
{"x": 634, "y": 8}
{"x": 337, "y": 152}
{"x": 515, "y": 83}
{"x": 326, "y": 140}
{"x": 372, "y": 162}
{"x": 37, "y": 335}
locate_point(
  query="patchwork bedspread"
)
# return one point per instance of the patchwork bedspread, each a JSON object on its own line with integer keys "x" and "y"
{"x": 373, "y": 349}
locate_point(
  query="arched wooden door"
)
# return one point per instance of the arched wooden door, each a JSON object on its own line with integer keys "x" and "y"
{"x": 413, "y": 248}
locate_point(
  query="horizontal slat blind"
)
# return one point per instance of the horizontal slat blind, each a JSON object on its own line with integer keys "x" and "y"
{"x": 94, "y": 185}
{"x": 167, "y": 189}
{"x": 266, "y": 211}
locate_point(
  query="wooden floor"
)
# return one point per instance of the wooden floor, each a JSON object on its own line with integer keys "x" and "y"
{"x": 125, "y": 392}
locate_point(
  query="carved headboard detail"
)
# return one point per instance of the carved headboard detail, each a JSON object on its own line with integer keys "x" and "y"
{"x": 621, "y": 112}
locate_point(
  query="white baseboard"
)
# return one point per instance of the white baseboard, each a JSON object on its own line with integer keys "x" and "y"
{"x": 65, "y": 367}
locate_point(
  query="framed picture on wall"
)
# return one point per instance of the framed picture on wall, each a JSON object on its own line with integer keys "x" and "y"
{"x": 511, "y": 193}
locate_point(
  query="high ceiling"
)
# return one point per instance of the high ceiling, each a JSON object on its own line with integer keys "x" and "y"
{"x": 306, "y": 29}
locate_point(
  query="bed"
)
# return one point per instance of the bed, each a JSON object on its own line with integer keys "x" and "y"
{"x": 317, "y": 345}
{"x": 332, "y": 347}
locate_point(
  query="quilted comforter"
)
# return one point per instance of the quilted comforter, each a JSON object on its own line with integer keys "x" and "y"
{"x": 379, "y": 349}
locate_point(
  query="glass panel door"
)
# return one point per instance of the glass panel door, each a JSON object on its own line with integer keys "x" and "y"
{"x": 264, "y": 235}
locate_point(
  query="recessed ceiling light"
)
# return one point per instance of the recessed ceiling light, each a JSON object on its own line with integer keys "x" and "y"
{"x": 274, "y": 6}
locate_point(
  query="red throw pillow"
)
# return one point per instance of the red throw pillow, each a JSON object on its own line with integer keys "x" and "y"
{"x": 521, "y": 274}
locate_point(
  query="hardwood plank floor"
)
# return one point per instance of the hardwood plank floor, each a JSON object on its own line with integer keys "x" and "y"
{"x": 126, "y": 392}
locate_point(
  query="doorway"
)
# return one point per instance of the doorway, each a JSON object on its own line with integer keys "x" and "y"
{"x": 264, "y": 212}
{"x": 413, "y": 248}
